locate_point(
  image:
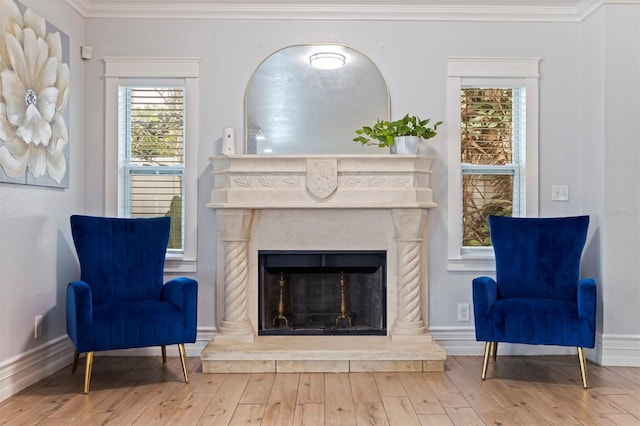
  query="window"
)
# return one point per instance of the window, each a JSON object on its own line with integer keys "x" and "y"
{"x": 492, "y": 119}
{"x": 151, "y": 145}
{"x": 151, "y": 155}
{"x": 491, "y": 135}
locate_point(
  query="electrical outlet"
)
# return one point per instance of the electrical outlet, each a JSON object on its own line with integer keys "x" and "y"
{"x": 37, "y": 327}
{"x": 463, "y": 312}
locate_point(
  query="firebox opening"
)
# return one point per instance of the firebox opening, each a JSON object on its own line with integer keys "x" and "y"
{"x": 322, "y": 293}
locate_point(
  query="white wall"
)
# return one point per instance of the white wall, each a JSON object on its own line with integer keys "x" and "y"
{"x": 592, "y": 136}
{"x": 37, "y": 258}
{"x": 610, "y": 108}
{"x": 621, "y": 218}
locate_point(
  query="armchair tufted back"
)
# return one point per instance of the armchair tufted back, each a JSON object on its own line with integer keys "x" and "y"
{"x": 538, "y": 257}
{"x": 121, "y": 259}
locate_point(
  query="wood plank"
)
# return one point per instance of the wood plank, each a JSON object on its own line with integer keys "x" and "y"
{"x": 72, "y": 408}
{"x": 245, "y": 414}
{"x": 311, "y": 389}
{"x": 33, "y": 414}
{"x": 626, "y": 402}
{"x": 258, "y": 388}
{"x": 546, "y": 408}
{"x": 364, "y": 388}
{"x": 225, "y": 400}
{"x": 371, "y": 413}
{"x": 128, "y": 410}
{"x": 447, "y": 393}
{"x": 464, "y": 416}
{"x": 581, "y": 403}
{"x": 497, "y": 418}
{"x": 423, "y": 399}
{"x": 623, "y": 419}
{"x": 308, "y": 415}
{"x": 281, "y": 405}
{"x": 434, "y": 420}
{"x": 525, "y": 416}
{"x": 208, "y": 382}
{"x": 399, "y": 411}
{"x": 167, "y": 399}
{"x": 389, "y": 384}
{"x": 505, "y": 396}
{"x": 339, "y": 405}
{"x": 191, "y": 409}
{"x": 473, "y": 391}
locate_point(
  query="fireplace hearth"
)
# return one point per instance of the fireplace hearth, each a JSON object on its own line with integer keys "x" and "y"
{"x": 309, "y": 293}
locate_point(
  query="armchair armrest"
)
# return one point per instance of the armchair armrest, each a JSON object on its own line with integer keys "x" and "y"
{"x": 182, "y": 292}
{"x": 79, "y": 313}
{"x": 587, "y": 298}
{"x": 485, "y": 292}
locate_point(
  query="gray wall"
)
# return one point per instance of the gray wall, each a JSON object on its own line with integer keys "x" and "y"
{"x": 589, "y": 91}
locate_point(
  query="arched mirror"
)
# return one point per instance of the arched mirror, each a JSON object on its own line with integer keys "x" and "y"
{"x": 298, "y": 104}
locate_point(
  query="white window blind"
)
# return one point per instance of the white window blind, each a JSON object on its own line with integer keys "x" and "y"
{"x": 152, "y": 148}
{"x": 492, "y": 140}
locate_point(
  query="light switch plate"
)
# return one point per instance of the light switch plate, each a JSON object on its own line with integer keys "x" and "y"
{"x": 560, "y": 192}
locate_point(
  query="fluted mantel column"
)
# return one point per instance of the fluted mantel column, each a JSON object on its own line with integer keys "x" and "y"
{"x": 409, "y": 225}
{"x": 236, "y": 231}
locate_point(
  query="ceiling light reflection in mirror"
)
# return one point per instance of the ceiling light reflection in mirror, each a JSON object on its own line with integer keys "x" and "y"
{"x": 327, "y": 60}
{"x": 295, "y": 108}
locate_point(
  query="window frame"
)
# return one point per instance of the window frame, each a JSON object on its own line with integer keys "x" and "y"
{"x": 119, "y": 69}
{"x": 501, "y": 71}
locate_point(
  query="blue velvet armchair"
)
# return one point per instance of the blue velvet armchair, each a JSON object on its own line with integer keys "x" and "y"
{"x": 537, "y": 296}
{"x": 121, "y": 301}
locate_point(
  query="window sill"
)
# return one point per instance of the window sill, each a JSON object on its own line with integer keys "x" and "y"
{"x": 472, "y": 264}
{"x": 180, "y": 266}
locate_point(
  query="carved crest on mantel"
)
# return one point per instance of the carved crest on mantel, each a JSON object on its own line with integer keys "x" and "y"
{"x": 322, "y": 177}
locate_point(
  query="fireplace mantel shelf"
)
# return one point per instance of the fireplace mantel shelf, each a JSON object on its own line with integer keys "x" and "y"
{"x": 321, "y": 182}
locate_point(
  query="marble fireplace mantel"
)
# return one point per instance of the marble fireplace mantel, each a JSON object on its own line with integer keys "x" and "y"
{"x": 322, "y": 202}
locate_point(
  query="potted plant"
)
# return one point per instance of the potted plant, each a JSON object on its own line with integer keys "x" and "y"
{"x": 402, "y": 135}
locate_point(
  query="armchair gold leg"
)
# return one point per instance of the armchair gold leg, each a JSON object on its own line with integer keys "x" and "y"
{"x": 164, "y": 354}
{"x": 183, "y": 359}
{"x": 74, "y": 366}
{"x": 87, "y": 371}
{"x": 487, "y": 350}
{"x": 583, "y": 367}
{"x": 494, "y": 350}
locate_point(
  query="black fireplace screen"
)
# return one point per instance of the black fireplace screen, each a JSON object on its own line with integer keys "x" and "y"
{"x": 317, "y": 293}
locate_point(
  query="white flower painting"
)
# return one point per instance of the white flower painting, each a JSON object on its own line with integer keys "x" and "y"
{"x": 34, "y": 94}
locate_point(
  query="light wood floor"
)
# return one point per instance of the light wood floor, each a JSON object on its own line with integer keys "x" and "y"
{"x": 518, "y": 391}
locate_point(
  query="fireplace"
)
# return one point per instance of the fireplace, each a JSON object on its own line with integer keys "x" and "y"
{"x": 309, "y": 293}
{"x": 355, "y": 209}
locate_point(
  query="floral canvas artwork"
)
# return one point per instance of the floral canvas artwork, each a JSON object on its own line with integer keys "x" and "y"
{"x": 34, "y": 98}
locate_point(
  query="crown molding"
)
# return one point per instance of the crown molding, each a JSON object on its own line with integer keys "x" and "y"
{"x": 343, "y": 10}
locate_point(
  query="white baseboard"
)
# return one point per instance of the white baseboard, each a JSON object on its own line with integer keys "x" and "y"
{"x": 204, "y": 336}
{"x": 610, "y": 350}
{"x": 620, "y": 350}
{"x": 462, "y": 341}
{"x": 23, "y": 370}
